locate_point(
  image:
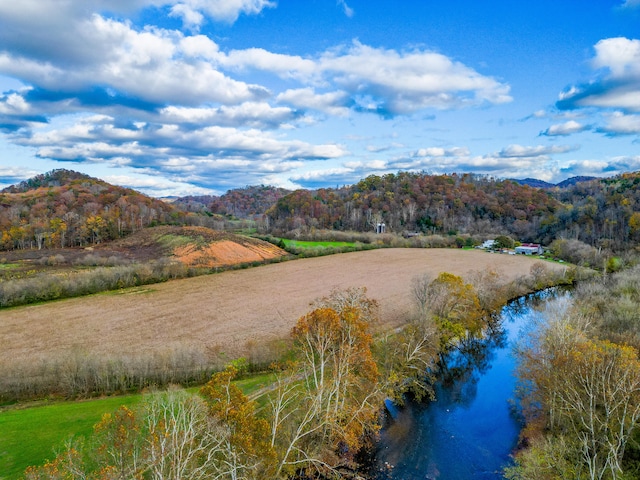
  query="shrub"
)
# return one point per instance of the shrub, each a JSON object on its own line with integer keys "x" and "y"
{"x": 45, "y": 287}
{"x": 52, "y": 260}
{"x": 82, "y": 375}
{"x": 575, "y": 251}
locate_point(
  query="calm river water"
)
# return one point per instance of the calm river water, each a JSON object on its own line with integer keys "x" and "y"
{"x": 470, "y": 431}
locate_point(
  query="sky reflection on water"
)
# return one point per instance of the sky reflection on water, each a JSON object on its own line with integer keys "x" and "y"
{"x": 470, "y": 431}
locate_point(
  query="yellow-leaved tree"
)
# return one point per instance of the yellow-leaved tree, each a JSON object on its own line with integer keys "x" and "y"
{"x": 585, "y": 393}
{"x": 244, "y": 450}
{"x": 328, "y": 402}
{"x": 453, "y": 304}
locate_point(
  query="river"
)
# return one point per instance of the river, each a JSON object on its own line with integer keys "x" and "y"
{"x": 470, "y": 431}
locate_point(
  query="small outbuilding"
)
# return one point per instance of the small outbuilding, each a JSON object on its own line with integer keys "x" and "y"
{"x": 529, "y": 249}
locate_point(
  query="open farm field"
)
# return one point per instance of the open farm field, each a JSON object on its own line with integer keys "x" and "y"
{"x": 232, "y": 311}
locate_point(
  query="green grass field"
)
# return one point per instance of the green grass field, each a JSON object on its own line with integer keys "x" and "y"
{"x": 307, "y": 244}
{"x": 31, "y": 435}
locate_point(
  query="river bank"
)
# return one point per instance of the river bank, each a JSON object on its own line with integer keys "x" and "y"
{"x": 471, "y": 429}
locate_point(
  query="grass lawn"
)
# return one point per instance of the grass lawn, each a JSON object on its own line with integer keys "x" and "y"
{"x": 254, "y": 383}
{"x": 29, "y": 436}
{"x": 8, "y": 269}
{"x": 306, "y": 244}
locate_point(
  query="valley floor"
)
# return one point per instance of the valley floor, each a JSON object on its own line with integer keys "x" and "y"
{"x": 230, "y": 312}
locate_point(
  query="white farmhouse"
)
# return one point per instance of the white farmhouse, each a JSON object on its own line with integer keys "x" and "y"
{"x": 488, "y": 244}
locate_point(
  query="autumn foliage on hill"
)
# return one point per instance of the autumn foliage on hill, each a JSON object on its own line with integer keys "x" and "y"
{"x": 418, "y": 202}
{"x": 599, "y": 212}
{"x": 603, "y": 212}
{"x": 63, "y": 208}
{"x": 248, "y": 201}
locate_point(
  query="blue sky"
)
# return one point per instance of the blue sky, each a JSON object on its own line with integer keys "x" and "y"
{"x": 184, "y": 97}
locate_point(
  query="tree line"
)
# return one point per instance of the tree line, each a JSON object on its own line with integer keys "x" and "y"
{"x": 247, "y": 202}
{"x": 416, "y": 202}
{"x": 63, "y": 208}
{"x": 580, "y": 385}
{"x": 603, "y": 213}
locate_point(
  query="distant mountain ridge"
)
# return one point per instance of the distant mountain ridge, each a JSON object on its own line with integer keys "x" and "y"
{"x": 238, "y": 202}
{"x": 569, "y": 182}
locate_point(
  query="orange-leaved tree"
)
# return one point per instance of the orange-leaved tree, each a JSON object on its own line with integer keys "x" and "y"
{"x": 323, "y": 409}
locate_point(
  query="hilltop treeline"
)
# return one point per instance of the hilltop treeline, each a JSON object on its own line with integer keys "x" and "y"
{"x": 603, "y": 213}
{"x": 63, "y": 208}
{"x": 416, "y": 202}
{"x": 443, "y": 204}
{"x": 242, "y": 203}
{"x": 600, "y": 212}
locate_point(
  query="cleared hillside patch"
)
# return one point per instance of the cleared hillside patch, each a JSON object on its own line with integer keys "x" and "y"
{"x": 195, "y": 247}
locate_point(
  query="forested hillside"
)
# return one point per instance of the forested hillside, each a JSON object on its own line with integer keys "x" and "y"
{"x": 240, "y": 203}
{"x": 416, "y": 202}
{"x": 600, "y": 212}
{"x": 63, "y": 208}
{"x": 603, "y": 213}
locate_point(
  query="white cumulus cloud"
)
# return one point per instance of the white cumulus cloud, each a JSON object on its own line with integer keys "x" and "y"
{"x": 409, "y": 81}
{"x": 330, "y": 102}
{"x": 442, "y": 152}
{"x": 620, "y": 55}
{"x": 566, "y": 128}
{"x": 383, "y": 80}
{"x": 620, "y": 124}
{"x": 219, "y": 10}
{"x": 520, "y": 151}
{"x": 618, "y": 86}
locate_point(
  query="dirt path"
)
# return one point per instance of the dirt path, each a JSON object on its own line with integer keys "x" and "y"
{"x": 228, "y": 310}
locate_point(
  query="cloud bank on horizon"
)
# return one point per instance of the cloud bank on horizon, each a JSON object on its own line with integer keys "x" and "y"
{"x": 176, "y": 97}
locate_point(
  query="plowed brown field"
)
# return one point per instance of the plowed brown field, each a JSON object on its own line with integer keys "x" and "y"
{"x": 230, "y": 309}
